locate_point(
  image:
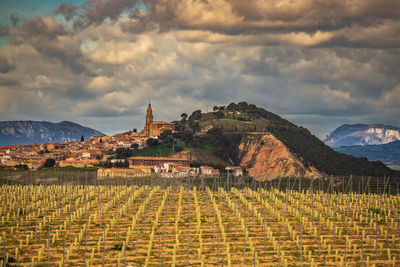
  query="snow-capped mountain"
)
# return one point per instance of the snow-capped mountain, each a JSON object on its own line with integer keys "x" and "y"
{"x": 362, "y": 134}
{"x": 28, "y": 132}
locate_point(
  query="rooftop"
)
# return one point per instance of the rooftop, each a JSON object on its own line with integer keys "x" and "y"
{"x": 156, "y": 158}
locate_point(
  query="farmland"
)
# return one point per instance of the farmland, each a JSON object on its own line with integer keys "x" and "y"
{"x": 92, "y": 225}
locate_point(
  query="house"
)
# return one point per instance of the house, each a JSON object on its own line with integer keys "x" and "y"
{"x": 163, "y": 168}
{"x": 124, "y": 144}
{"x": 208, "y": 171}
{"x": 234, "y": 170}
{"x": 72, "y": 162}
{"x": 86, "y": 155}
{"x": 12, "y": 163}
{"x": 156, "y": 161}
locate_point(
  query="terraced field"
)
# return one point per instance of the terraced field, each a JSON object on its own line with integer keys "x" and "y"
{"x": 70, "y": 225}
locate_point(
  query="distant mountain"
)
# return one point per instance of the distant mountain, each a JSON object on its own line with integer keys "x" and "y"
{"x": 28, "y": 132}
{"x": 362, "y": 134}
{"x": 387, "y": 153}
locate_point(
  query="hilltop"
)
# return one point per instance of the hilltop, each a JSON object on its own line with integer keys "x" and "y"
{"x": 263, "y": 143}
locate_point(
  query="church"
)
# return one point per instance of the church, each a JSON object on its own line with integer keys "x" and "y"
{"x": 155, "y": 128}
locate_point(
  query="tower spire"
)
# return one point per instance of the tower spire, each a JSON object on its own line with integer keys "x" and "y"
{"x": 149, "y": 119}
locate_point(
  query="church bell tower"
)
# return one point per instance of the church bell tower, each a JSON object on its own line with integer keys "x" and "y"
{"x": 149, "y": 120}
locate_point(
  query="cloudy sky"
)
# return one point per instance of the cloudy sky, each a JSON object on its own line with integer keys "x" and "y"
{"x": 318, "y": 63}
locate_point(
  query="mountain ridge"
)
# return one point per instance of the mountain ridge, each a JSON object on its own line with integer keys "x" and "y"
{"x": 362, "y": 134}
{"x": 24, "y": 132}
{"x": 387, "y": 153}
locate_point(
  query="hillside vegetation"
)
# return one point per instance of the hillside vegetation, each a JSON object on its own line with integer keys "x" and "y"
{"x": 224, "y": 128}
{"x": 387, "y": 153}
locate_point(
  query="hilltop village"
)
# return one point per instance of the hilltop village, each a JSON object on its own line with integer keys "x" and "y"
{"x": 99, "y": 152}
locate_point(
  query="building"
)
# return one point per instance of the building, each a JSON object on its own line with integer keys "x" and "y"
{"x": 123, "y": 173}
{"x": 207, "y": 171}
{"x": 155, "y": 128}
{"x": 234, "y": 170}
{"x": 71, "y": 162}
{"x": 157, "y": 161}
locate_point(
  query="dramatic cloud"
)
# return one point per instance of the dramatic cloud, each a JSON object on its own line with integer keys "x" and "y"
{"x": 317, "y": 63}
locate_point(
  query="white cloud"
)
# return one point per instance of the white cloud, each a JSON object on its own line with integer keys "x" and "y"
{"x": 115, "y": 52}
{"x": 101, "y": 84}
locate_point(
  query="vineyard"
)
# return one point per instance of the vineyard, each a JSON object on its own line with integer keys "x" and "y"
{"x": 122, "y": 225}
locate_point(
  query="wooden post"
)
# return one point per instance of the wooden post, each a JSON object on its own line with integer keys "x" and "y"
{"x": 63, "y": 256}
{"x": 104, "y": 245}
{"x": 362, "y": 247}
{"x": 244, "y": 244}
{"x": 48, "y": 244}
{"x": 312, "y": 202}
{"x": 236, "y": 218}
{"x": 218, "y": 252}
{"x": 159, "y": 250}
{"x": 319, "y": 233}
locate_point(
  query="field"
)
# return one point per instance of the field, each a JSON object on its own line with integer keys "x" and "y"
{"x": 78, "y": 225}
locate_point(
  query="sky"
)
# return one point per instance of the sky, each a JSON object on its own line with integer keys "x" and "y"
{"x": 317, "y": 63}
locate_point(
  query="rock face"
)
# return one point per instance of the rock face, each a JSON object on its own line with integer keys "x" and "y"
{"x": 193, "y": 156}
{"x": 266, "y": 157}
{"x": 28, "y": 132}
{"x": 362, "y": 134}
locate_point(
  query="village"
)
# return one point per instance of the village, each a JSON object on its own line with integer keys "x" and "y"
{"x": 98, "y": 153}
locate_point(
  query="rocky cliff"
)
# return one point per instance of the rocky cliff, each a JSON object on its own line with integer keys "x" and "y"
{"x": 266, "y": 157}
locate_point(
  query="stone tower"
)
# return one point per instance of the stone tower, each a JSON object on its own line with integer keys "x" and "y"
{"x": 149, "y": 120}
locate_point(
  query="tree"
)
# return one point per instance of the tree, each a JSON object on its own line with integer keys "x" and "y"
{"x": 22, "y": 167}
{"x": 151, "y": 142}
{"x": 107, "y": 164}
{"x": 135, "y": 146}
{"x": 134, "y": 130}
{"x": 195, "y": 126}
{"x": 82, "y": 139}
{"x": 122, "y": 153}
{"x": 215, "y": 108}
{"x": 184, "y": 117}
{"x": 232, "y": 107}
{"x": 50, "y": 162}
{"x": 186, "y": 136}
{"x": 196, "y": 115}
{"x": 166, "y": 134}
{"x": 219, "y": 115}
{"x": 178, "y": 148}
{"x": 242, "y": 106}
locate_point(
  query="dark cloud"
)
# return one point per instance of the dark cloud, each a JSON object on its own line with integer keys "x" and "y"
{"x": 8, "y": 81}
{"x": 44, "y": 28}
{"x": 6, "y": 65}
{"x": 320, "y": 63}
{"x": 52, "y": 40}
{"x": 4, "y": 30}
{"x": 271, "y": 16}
{"x": 67, "y": 10}
{"x": 94, "y": 12}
